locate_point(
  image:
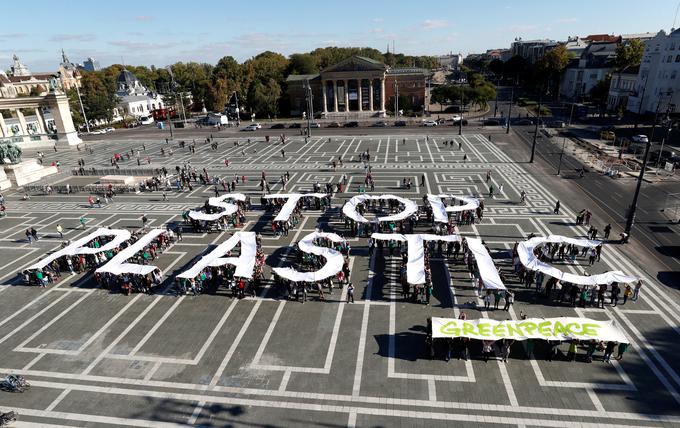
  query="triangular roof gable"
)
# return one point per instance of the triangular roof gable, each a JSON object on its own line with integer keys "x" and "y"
{"x": 356, "y": 63}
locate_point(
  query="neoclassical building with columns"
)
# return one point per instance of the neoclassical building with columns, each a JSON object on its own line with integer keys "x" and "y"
{"x": 357, "y": 87}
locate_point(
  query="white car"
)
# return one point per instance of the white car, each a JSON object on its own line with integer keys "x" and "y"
{"x": 146, "y": 120}
{"x": 456, "y": 118}
{"x": 315, "y": 125}
{"x": 256, "y": 125}
{"x": 429, "y": 123}
{"x": 97, "y": 132}
{"x": 110, "y": 129}
{"x": 253, "y": 127}
{"x": 640, "y": 139}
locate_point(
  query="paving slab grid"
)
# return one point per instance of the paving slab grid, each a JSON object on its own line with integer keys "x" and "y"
{"x": 100, "y": 359}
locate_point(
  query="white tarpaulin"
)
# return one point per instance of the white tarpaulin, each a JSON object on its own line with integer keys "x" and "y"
{"x": 245, "y": 263}
{"x": 117, "y": 265}
{"x": 561, "y": 328}
{"x": 350, "y": 208}
{"x": 485, "y": 264}
{"x": 440, "y": 210}
{"x": 79, "y": 246}
{"x": 291, "y": 201}
{"x": 218, "y": 202}
{"x": 415, "y": 266}
{"x": 525, "y": 251}
{"x": 333, "y": 265}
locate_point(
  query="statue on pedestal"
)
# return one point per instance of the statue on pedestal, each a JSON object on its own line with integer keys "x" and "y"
{"x": 10, "y": 154}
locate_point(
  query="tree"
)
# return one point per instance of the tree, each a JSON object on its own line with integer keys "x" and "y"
{"x": 303, "y": 64}
{"x": 99, "y": 96}
{"x": 629, "y": 54}
{"x": 74, "y": 105}
{"x": 599, "y": 93}
{"x": 496, "y": 67}
{"x": 216, "y": 94}
{"x": 263, "y": 97}
{"x": 515, "y": 67}
{"x": 550, "y": 66}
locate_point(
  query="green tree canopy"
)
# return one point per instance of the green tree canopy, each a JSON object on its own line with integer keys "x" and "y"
{"x": 629, "y": 54}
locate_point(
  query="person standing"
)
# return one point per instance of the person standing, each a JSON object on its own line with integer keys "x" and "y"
{"x": 60, "y": 231}
{"x": 144, "y": 221}
{"x": 636, "y": 291}
{"x": 557, "y": 207}
{"x": 83, "y": 221}
{"x": 608, "y": 351}
{"x": 29, "y": 237}
{"x": 627, "y": 293}
{"x": 350, "y": 293}
{"x": 487, "y": 300}
{"x": 607, "y": 229}
{"x": 623, "y": 347}
{"x": 509, "y": 300}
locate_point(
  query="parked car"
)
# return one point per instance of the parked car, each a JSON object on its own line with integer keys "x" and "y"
{"x": 333, "y": 125}
{"x": 380, "y": 124}
{"x": 295, "y": 125}
{"x": 251, "y": 127}
{"x": 524, "y": 122}
{"x": 110, "y": 129}
{"x": 351, "y": 125}
{"x": 429, "y": 123}
{"x": 607, "y": 135}
{"x": 557, "y": 124}
{"x": 315, "y": 125}
{"x": 640, "y": 138}
{"x": 494, "y": 122}
{"x": 400, "y": 123}
{"x": 277, "y": 126}
{"x": 97, "y": 132}
{"x": 455, "y": 118}
{"x": 146, "y": 120}
{"x": 458, "y": 123}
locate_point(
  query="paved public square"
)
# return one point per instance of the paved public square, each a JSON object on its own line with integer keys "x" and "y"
{"x": 100, "y": 359}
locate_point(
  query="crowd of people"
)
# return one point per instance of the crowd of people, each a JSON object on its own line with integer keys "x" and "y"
{"x": 306, "y": 262}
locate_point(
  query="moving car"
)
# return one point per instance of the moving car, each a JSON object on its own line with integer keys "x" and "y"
{"x": 277, "y": 126}
{"x": 315, "y": 125}
{"x": 109, "y": 129}
{"x": 97, "y": 132}
{"x": 351, "y": 125}
{"x": 333, "y": 125}
{"x": 400, "y": 123}
{"x": 294, "y": 125}
{"x": 640, "y": 138}
{"x": 380, "y": 124}
{"x": 557, "y": 124}
{"x": 429, "y": 123}
{"x": 524, "y": 122}
{"x": 494, "y": 122}
{"x": 251, "y": 127}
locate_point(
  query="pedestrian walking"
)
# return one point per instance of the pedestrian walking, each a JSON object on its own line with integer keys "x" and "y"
{"x": 83, "y": 221}
{"x": 608, "y": 351}
{"x": 509, "y": 300}
{"x": 623, "y": 347}
{"x": 557, "y": 207}
{"x": 60, "y": 231}
{"x": 627, "y": 293}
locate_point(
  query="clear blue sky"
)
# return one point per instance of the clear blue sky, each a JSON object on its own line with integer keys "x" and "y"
{"x": 151, "y": 32}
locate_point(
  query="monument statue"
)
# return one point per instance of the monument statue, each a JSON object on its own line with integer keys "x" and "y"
{"x": 10, "y": 153}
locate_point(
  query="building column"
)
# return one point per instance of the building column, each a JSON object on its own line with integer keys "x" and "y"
{"x": 346, "y": 95}
{"x": 370, "y": 94}
{"x": 58, "y": 104}
{"x": 361, "y": 107}
{"x": 42, "y": 126}
{"x": 22, "y": 123}
{"x": 382, "y": 95}
{"x": 324, "y": 87}
{"x": 335, "y": 96}
{"x": 3, "y": 127}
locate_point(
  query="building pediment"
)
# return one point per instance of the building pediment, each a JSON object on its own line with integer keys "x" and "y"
{"x": 356, "y": 63}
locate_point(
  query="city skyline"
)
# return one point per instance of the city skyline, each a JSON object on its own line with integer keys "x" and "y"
{"x": 161, "y": 37}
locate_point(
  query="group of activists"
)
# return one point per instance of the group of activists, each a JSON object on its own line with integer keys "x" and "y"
{"x": 213, "y": 218}
{"x": 284, "y": 221}
{"x": 298, "y": 285}
{"x": 51, "y": 269}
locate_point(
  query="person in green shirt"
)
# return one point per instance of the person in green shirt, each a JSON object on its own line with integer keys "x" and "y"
{"x": 623, "y": 347}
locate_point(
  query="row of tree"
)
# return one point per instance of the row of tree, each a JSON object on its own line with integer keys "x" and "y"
{"x": 478, "y": 91}
{"x": 259, "y": 82}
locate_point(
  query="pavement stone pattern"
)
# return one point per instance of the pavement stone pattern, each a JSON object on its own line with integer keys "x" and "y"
{"x": 100, "y": 359}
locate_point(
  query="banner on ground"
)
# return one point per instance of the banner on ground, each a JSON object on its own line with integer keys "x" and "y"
{"x": 562, "y": 328}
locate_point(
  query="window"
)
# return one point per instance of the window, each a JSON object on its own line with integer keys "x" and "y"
{"x": 673, "y": 73}
{"x": 677, "y": 58}
{"x": 670, "y": 58}
{"x": 673, "y": 46}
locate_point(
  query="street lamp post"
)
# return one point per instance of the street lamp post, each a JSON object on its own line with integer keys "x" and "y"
{"x": 462, "y": 109}
{"x": 538, "y": 120}
{"x": 396, "y": 99}
{"x": 82, "y": 109}
{"x": 512, "y": 96}
{"x": 559, "y": 165}
{"x": 310, "y": 107}
{"x": 495, "y": 105}
{"x": 633, "y": 206}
